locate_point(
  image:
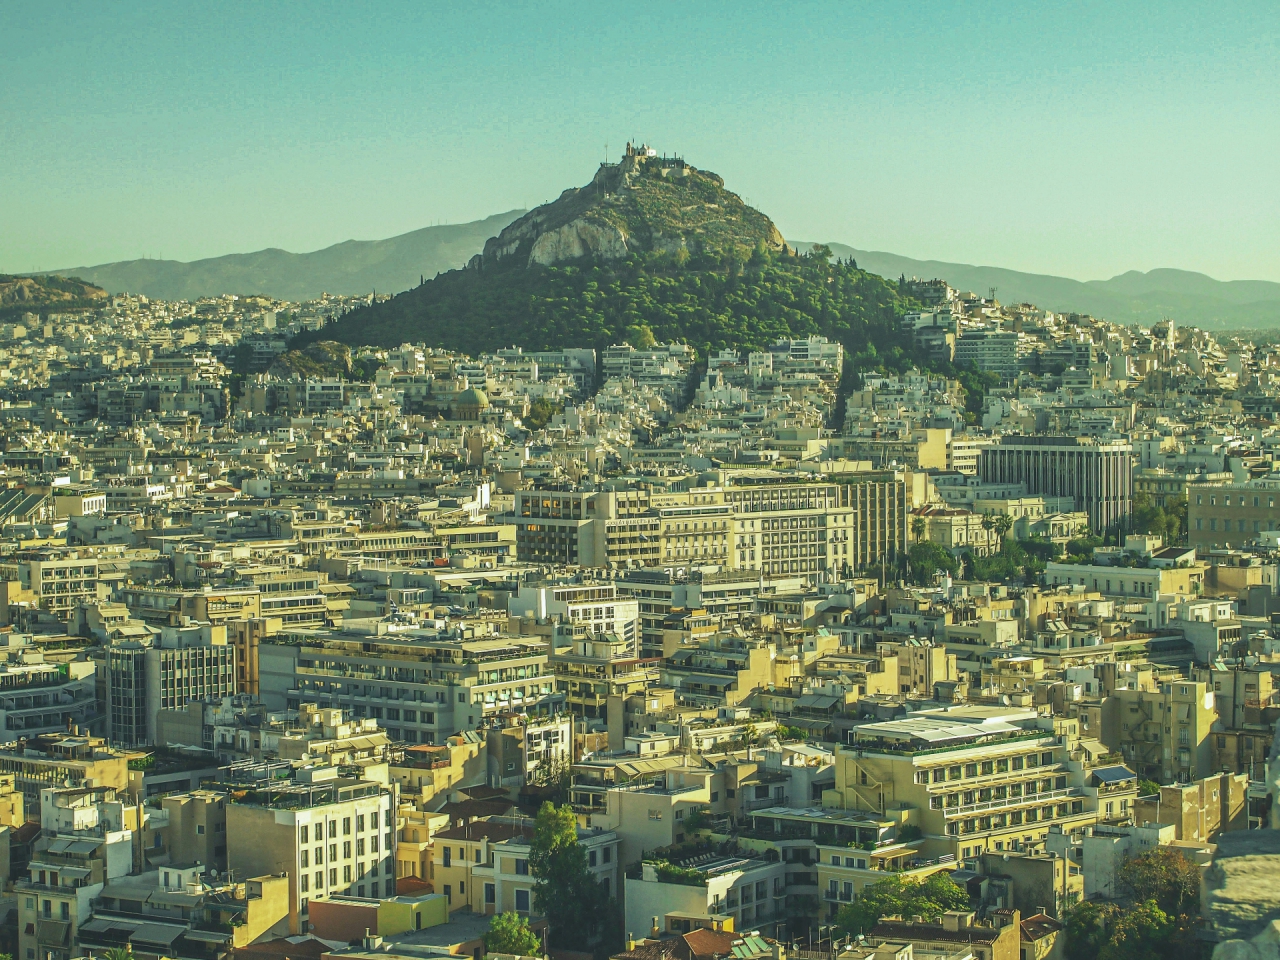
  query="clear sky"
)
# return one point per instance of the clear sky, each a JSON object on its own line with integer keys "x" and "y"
{"x": 1076, "y": 138}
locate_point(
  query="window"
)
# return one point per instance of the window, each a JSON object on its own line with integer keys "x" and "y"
{"x": 373, "y": 821}
{"x": 591, "y": 858}
{"x": 655, "y": 814}
{"x": 522, "y": 901}
{"x": 346, "y": 873}
{"x": 333, "y": 877}
{"x": 346, "y": 826}
{"x": 490, "y": 893}
{"x": 319, "y": 880}
{"x": 608, "y": 854}
{"x": 360, "y": 822}
{"x": 303, "y": 858}
{"x": 303, "y": 883}
{"x": 302, "y": 834}
{"x": 346, "y": 849}
{"x": 522, "y": 868}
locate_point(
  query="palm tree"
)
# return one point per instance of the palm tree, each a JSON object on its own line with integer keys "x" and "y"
{"x": 917, "y": 528}
{"x": 1003, "y": 524}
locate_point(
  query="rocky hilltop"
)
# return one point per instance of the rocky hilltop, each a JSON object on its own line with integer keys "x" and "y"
{"x": 36, "y": 294}
{"x": 643, "y": 204}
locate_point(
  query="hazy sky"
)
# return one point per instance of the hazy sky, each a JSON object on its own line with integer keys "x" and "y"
{"x": 1082, "y": 139}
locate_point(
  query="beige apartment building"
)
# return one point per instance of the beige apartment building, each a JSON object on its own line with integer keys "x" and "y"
{"x": 1163, "y": 733}
{"x": 483, "y": 866}
{"x": 331, "y": 835}
{"x": 61, "y": 760}
{"x": 972, "y": 779}
{"x": 60, "y": 582}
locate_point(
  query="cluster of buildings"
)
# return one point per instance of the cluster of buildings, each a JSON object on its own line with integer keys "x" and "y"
{"x": 290, "y": 656}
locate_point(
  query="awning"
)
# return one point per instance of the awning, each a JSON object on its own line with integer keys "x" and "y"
{"x": 1114, "y": 774}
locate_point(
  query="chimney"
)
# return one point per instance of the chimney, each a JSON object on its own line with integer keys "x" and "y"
{"x": 655, "y": 930}
{"x": 631, "y": 941}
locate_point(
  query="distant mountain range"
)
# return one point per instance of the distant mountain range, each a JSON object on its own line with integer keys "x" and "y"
{"x": 394, "y": 265}
{"x": 350, "y": 267}
{"x": 1187, "y": 297}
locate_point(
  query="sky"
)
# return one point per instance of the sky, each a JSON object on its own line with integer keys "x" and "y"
{"x": 1074, "y": 138}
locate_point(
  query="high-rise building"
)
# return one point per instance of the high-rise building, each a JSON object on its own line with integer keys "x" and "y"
{"x": 1097, "y": 474}
{"x": 331, "y": 835}
{"x": 165, "y": 672}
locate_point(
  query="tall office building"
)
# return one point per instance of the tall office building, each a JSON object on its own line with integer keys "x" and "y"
{"x": 1097, "y": 474}
{"x": 167, "y": 671}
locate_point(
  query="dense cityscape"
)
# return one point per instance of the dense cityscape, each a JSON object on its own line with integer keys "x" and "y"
{"x": 961, "y": 651}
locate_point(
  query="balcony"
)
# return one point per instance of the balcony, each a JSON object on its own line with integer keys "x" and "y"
{"x": 998, "y": 806}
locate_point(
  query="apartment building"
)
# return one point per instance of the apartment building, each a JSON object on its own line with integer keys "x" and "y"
{"x": 522, "y": 749}
{"x": 832, "y": 855}
{"x": 483, "y": 865}
{"x": 331, "y": 835}
{"x": 40, "y": 697}
{"x": 614, "y": 528}
{"x": 85, "y": 841}
{"x": 1097, "y": 475}
{"x": 590, "y": 670}
{"x": 63, "y": 760}
{"x": 1163, "y": 733}
{"x": 991, "y": 351}
{"x": 179, "y": 665}
{"x": 587, "y": 608}
{"x": 725, "y": 595}
{"x": 420, "y": 686}
{"x": 970, "y": 778}
{"x": 60, "y": 582}
{"x": 741, "y": 892}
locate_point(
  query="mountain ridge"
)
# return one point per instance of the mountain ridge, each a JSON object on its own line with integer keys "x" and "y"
{"x": 1131, "y": 297}
{"x": 396, "y": 263}
{"x": 348, "y": 267}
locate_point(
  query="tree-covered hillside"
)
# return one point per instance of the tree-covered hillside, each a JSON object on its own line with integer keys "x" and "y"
{"x": 708, "y": 302}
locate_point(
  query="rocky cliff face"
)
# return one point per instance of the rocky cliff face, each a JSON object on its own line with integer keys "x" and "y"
{"x": 645, "y": 203}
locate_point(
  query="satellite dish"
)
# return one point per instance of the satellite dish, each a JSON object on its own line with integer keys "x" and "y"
{"x": 213, "y": 873}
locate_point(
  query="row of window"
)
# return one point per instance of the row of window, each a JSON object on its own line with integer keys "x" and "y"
{"x": 984, "y": 768}
{"x": 361, "y": 824}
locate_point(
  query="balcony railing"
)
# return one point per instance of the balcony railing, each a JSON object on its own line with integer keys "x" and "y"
{"x": 1030, "y": 800}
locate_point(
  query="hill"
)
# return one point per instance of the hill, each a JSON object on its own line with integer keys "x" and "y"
{"x": 1132, "y": 297}
{"x": 709, "y": 301}
{"x": 650, "y": 248}
{"x": 643, "y": 204}
{"x": 47, "y": 293}
{"x": 351, "y": 267}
